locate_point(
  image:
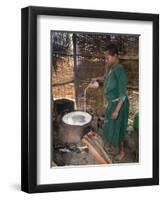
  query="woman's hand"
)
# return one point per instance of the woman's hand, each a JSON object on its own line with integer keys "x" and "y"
{"x": 115, "y": 115}
{"x": 117, "y": 109}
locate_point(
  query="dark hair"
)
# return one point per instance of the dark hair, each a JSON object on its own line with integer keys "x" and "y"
{"x": 112, "y": 49}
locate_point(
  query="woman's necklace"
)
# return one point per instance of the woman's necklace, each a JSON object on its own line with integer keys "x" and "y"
{"x": 109, "y": 68}
{"x": 113, "y": 66}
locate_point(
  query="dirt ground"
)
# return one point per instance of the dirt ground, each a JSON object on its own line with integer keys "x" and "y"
{"x": 69, "y": 154}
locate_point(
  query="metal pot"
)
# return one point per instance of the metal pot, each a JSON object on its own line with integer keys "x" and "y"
{"x": 74, "y": 125}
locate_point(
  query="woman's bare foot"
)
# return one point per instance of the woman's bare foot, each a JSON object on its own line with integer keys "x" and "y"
{"x": 120, "y": 156}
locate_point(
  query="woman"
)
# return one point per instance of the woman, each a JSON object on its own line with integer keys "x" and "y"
{"x": 115, "y": 90}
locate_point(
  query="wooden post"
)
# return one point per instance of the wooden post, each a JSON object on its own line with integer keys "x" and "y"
{"x": 76, "y": 80}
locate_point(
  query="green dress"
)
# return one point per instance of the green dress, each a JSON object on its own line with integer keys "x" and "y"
{"x": 115, "y": 88}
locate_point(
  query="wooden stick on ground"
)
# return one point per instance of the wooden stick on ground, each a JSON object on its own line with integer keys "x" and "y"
{"x": 98, "y": 157}
{"x": 103, "y": 152}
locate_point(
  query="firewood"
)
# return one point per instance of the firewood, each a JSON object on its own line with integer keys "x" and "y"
{"x": 103, "y": 152}
{"x": 98, "y": 157}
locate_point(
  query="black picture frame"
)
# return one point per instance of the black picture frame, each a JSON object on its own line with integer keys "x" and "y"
{"x": 29, "y": 99}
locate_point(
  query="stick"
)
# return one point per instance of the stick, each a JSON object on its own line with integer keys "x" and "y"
{"x": 98, "y": 157}
{"x": 94, "y": 138}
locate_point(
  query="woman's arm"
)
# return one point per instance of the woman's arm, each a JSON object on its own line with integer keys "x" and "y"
{"x": 117, "y": 109}
{"x": 121, "y": 75}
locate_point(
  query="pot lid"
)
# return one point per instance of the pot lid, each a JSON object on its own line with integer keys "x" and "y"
{"x": 77, "y": 118}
